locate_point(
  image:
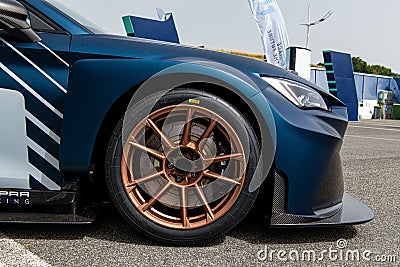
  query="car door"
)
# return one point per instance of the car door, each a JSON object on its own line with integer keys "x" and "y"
{"x": 33, "y": 87}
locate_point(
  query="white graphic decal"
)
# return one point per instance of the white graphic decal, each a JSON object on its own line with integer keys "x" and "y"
{"x": 34, "y": 65}
{"x": 43, "y": 179}
{"x": 54, "y": 54}
{"x": 42, "y": 127}
{"x": 43, "y": 153}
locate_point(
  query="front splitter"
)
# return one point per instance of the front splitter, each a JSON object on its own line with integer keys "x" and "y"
{"x": 352, "y": 212}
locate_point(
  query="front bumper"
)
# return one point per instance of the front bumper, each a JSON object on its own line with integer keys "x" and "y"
{"x": 309, "y": 184}
{"x": 329, "y": 205}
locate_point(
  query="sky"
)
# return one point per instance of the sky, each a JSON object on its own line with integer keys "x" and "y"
{"x": 363, "y": 28}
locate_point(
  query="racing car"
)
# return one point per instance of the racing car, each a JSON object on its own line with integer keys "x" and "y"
{"x": 183, "y": 141}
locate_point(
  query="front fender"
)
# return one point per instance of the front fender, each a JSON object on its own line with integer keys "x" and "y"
{"x": 94, "y": 86}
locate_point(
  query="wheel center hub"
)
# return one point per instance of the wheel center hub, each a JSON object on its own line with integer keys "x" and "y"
{"x": 183, "y": 166}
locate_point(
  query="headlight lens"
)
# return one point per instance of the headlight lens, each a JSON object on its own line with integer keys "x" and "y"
{"x": 297, "y": 93}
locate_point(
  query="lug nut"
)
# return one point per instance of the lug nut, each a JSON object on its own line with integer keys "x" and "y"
{"x": 195, "y": 158}
{"x": 194, "y": 175}
{"x": 179, "y": 179}
{"x": 170, "y": 165}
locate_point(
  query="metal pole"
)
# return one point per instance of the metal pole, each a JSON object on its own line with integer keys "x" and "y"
{"x": 308, "y": 25}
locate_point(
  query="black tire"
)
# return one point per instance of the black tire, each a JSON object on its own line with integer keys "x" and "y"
{"x": 152, "y": 229}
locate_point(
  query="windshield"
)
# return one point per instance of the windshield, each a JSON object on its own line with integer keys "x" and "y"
{"x": 77, "y": 17}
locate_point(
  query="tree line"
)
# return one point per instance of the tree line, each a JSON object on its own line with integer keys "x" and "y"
{"x": 362, "y": 66}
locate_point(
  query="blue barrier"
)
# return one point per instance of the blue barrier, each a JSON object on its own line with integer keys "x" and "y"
{"x": 359, "y": 86}
{"x": 395, "y": 83}
{"x": 341, "y": 82}
{"x": 367, "y": 85}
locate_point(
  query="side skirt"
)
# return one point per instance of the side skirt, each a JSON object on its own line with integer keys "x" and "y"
{"x": 49, "y": 207}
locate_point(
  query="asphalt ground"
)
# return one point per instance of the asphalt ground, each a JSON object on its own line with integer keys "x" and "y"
{"x": 371, "y": 162}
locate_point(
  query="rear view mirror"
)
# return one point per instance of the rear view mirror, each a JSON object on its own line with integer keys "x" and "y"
{"x": 14, "y": 18}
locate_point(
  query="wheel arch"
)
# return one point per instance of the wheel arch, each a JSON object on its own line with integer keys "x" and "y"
{"x": 119, "y": 107}
{"x": 248, "y": 98}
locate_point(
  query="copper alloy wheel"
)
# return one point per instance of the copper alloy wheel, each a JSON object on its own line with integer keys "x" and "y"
{"x": 188, "y": 170}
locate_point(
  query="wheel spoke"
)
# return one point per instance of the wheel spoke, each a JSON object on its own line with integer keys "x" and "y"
{"x": 145, "y": 179}
{"x": 154, "y": 199}
{"x": 210, "y": 213}
{"x": 217, "y": 176}
{"x": 187, "y": 128}
{"x": 207, "y": 132}
{"x": 185, "y": 219}
{"x": 152, "y": 152}
{"x": 217, "y": 159}
{"x": 168, "y": 145}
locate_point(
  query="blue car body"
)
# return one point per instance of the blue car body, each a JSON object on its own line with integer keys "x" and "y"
{"x": 96, "y": 73}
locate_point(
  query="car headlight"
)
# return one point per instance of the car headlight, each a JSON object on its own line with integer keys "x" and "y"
{"x": 297, "y": 93}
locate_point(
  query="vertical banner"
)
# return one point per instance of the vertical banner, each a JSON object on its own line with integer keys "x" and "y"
{"x": 272, "y": 29}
